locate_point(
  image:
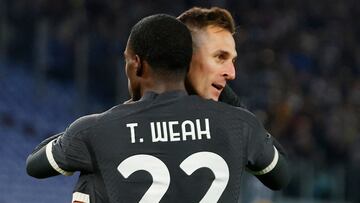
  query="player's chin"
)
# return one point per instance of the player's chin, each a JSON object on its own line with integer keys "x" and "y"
{"x": 214, "y": 95}
{"x": 215, "y": 98}
{"x": 209, "y": 94}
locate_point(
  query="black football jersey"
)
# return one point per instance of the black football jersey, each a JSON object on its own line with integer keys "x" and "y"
{"x": 168, "y": 147}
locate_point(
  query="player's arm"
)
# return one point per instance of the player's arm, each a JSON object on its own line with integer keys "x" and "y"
{"x": 272, "y": 168}
{"x": 37, "y": 164}
{"x": 64, "y": 154}
{"x": 267, "y": 159}
{"x": 41, "y": 162}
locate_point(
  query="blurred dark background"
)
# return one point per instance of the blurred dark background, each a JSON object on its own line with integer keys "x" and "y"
{"x": 298, "y": 69}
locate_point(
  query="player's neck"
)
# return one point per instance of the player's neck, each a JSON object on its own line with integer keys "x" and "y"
{"x": 162, "y": 87}
{"x": 160, "y": 82}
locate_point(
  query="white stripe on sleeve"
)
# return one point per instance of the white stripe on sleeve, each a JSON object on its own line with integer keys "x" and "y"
{"x": 52, "y": 161}
{"x": 270, "y": 167}
{"x": 80, "y": 197}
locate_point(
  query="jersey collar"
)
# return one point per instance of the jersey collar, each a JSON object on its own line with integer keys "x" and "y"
{"x": 166, "y": 95}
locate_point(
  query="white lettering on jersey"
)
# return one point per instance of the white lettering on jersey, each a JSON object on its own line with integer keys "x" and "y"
{"x": 174, "y": 136}
{"x": 203, "y": 132}
{"x": 159, "y": 136}
{"x": 188, "y": 130}
{"x": 132, "y": 131}
{"x": 191, "y": 128}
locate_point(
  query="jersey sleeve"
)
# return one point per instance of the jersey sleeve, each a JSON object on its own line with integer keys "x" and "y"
{"x": 267, "y": 159}
{"x": 69, "y": 152}
{"x": 262, "y": 155}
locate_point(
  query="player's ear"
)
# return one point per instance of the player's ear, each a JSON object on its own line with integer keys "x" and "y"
{"x": 138, "y": 65}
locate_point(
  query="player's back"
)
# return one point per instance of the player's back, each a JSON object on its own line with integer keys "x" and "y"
{"x": 170, "y": 147}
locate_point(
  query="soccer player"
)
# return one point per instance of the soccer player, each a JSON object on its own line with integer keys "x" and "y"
{"x": 214, "y": 50}
{"x": 167, "y": 146}
{"x": 211, "y": 67}
{"x": 214, "y": 53}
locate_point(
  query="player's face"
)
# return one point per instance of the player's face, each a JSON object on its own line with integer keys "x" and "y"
{"x": 212, "y": 62}
{"x": 131, "y": 65}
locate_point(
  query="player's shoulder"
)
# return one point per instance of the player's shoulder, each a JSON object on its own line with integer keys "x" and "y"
{"x": 84, "y": 123}
{"x": 98, "y": 119}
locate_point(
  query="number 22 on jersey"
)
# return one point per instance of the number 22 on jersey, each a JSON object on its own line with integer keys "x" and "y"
{"x": 161, "y": 175}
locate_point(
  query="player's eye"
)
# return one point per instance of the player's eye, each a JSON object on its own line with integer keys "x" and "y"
{"x": 234, "y": 60}
{"x": 220, "y": 58}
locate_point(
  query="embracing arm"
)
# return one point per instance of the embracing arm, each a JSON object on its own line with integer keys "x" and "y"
{"x": 37, "y": 163}
{"x": 273, "y": 171}
{"x": 63, "y": 153}
{"x": 276, "y": 174}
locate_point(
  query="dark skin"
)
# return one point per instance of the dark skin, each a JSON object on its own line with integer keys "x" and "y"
{"x": 142, "y": 78}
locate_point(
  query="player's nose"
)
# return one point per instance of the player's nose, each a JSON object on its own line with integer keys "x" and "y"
{"x": 229, "y": 72}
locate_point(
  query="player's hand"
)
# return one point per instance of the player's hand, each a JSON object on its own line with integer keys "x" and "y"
{"x": 228, "y": 96}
